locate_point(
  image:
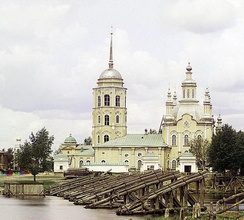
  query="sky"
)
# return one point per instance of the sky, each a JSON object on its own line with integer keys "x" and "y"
{"x": 53, "y": 52}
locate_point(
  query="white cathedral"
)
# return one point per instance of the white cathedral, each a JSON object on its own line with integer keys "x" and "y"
{"x": 113, "y": 149}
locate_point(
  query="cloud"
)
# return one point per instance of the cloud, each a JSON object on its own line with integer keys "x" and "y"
{"x": 202, "y": 16}
{"x": 52, "y": 53}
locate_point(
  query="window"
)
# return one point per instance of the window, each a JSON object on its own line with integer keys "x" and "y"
{"x": 173, "y": 140}
{"x": 193, "y": 94}
{"x": 103, "y": 161}
{"x": 106, "y": 138}
{"x": 187, "y": 169}
{"x": 168, "y": 164}
{"x": 117, "y": 100}
{"x": 139, "y": 154}
{"x": 81, "y": 162}
{"x": 98, "y": 119}
{"x": 126, "y": 161}
{"x": 88, "y": 161}
{"x": 188, "y": 93}
{"x": 139, "y": 164}
{"x": 99, "y": 101}
{"x": 106, "y": 120}
{"x": 150, "y": 167}
{"x": 117, "y": 119}
{"x": 61, "y": 167}
{"x": 186, "y": 140}
{"x": 126, "y": 155}
{"x": 184, "y": 93}
{"x": 199, "y": 136}
{"x": 98, "y": 139}
{"x": 173, "y": 164}
{"x": 107, "y": 100}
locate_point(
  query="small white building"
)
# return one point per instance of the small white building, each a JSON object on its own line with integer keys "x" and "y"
{"x": 150, "y": 162}
{"x": 187, "y": 163}
{"x": 105, "y": 167}
{"x": 61, "y": 163}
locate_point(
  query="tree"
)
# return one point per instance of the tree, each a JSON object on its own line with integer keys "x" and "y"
{"x": 34, "y": 155}
{"x": 88, "y": 141}
{"x": 198, "y": 147}
{"x": 226, "y": 151}
{"x": 10, "y": 158}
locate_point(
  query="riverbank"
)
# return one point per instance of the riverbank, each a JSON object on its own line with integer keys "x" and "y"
{"x": 49, "y": 179}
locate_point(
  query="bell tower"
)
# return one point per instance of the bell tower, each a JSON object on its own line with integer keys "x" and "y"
{"x": 109, "y": 109}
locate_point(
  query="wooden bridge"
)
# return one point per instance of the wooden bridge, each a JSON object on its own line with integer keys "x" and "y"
{"x": 137, "y": 193}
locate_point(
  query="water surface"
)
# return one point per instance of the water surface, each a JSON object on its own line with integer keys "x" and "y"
{"x": 53, "y": 208}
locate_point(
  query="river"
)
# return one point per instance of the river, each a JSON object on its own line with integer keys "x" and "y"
{"x": 53, "y": 208}
{"x": 57, "y": 208}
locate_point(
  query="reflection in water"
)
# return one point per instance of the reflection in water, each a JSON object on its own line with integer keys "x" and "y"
{"x": 53, "y": 208}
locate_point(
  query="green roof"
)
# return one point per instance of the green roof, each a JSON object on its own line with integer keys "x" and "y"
{"x": 70, "y": 139}
{"x": 86, "y": 150}
{"x": 187, "y": 154}
{"x": 136, "y": 140}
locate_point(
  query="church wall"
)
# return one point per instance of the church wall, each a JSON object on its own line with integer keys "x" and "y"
{"x": 131, "y": 155}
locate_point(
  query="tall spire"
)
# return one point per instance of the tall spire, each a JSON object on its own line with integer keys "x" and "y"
{"x": 111, "y": 63}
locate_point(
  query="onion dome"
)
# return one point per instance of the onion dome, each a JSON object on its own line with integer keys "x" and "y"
{"x": 189, "y": 68}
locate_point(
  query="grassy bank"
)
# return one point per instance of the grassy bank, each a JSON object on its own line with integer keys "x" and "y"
{"x": 48, "y": 179}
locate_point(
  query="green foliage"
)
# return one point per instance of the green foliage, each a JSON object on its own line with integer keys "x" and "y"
{"x": 226, "y": 151}
{"x": 88, "y": 141}
{"x": 34, "y": 156}
{"x": 198, "y": 147}
{"x": 10, "y": 157}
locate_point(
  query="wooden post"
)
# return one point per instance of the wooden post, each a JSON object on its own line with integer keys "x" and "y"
{"x": 202, "y": 183}
{"x": 171, "y": 199}
{"x": 185, "y": 198}
{"x": 166, "y": 214}
{"x": 181, "y": 196}
{"x": 197, "y": 191}
{"x": 237, "y": 207}
{"x": 182, "y": 214}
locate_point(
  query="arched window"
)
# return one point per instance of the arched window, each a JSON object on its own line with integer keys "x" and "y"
{"x": 139, "y": 163}
{"x": 106, "y": 138}
{"x": 186, "y": 140}
{"x": 173, "y": 140}
{"x": 173, "y": 164}
{"x": 193, "y": 94}
{"x": 106, "y": 120}
{"x": 81, "y": 162}
{"x": 98, "y": 139}
{"x": 99, "y": 101}
{"x": 106, "y": 100}
{"x": 103, "y": 161}
{"x": 188, "y": 93}
{"x": 117, "y": 119}
{"x": 98, "y": 119}
{"x": 88, "y": 161}
{"x": 117, "y": 100}
{"x": 127, "y": 161}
